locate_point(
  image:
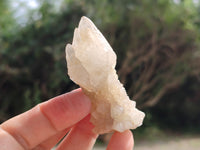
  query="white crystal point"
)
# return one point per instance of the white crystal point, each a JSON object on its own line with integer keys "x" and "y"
{"x": 91, "y": 64}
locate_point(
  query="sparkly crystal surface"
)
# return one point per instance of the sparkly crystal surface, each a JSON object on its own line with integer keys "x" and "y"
{"x": 91, "y": 64}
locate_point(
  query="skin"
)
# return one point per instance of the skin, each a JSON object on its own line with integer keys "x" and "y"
{"x": 67, "y": 115}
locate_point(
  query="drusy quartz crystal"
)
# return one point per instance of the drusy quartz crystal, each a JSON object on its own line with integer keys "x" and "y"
{"x": 91, "y": 64}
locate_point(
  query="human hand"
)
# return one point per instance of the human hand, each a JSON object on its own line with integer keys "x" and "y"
{"x": 42, "y": 127}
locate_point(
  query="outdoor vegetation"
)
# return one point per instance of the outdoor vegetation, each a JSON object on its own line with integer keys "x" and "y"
{"x": 156, "y": 41}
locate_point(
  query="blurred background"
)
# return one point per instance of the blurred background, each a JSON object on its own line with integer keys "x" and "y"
{"x": 157, "y": 44}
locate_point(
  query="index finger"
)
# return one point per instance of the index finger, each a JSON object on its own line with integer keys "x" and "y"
{"x": 46, "y": 119}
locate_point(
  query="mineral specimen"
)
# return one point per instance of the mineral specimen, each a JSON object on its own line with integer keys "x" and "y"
{"x": 91, "y": 64}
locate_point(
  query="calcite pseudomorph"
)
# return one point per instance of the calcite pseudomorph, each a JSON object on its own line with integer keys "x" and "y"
{"x": 91, "y": 64}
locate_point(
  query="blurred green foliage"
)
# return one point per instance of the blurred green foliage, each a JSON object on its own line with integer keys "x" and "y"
{"x": 33, "y": 66}
{"x": 156, "y": 43}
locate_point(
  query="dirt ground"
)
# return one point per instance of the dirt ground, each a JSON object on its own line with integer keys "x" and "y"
{"x": 169, "y": 143}
{"x": 174, "y": 143}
